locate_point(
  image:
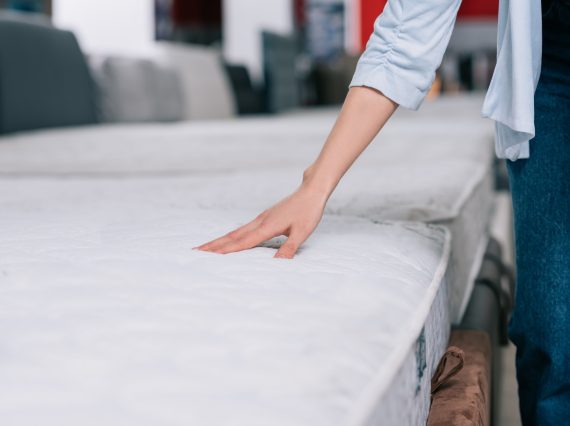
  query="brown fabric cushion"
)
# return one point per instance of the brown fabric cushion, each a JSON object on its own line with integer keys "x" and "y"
{"x": 461, "y": 385}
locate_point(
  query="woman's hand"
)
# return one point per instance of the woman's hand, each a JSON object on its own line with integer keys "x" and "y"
{"x": 363, "y": 114}
{"x": 296, "y": 216}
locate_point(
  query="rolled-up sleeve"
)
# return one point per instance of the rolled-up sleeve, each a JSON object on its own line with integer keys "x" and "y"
{"x": 405, "y": 49}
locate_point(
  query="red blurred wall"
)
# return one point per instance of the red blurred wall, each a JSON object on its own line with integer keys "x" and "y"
{"x": 470, "y": 9}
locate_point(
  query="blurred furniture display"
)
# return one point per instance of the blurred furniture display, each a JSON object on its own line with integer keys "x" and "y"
{"x": 249, "y": 99}
{"x": 325, "y": 30}
{"x": 104, "y": 304}
{"x": 44, "y": 79}
{"x": 333, "y": 79}
{"x": 205, "y": 84}
{"x": 137, "y": 90}
{"x": 27, "y": 17}
{"x": 321, "y": 25}
{"x": 471, "y": 55}
{"x": 164, "y": 27}
{"x": 280, "y": 55}
{"x": 179, "y": 82}
{"x": 28, "y": 6}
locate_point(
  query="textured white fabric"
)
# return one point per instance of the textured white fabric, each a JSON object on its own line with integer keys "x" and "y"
{"x": 510, "y": 99}
{"x": 108, "y": 316}
{"x": 447, "y": 128}
{"x": 264, "y": 157}
{"x": 407, "y": 46}
{"x": 220, "y": 172}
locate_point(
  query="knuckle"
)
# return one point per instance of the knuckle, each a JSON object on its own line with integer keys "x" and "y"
{"x": 264, "y": 227}
{"x": 289, "y": 248}
{"x": 291, "y": 243}
{"x": 233, "y": 234}
{"x": 302, "y": 229}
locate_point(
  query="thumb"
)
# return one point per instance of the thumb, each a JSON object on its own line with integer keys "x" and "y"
{"x": 289, "y": 247}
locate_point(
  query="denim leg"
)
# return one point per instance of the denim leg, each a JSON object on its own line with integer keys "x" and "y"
{"x": 540, "y": 327}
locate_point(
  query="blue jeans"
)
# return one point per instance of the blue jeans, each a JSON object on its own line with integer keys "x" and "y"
{"x": 540, "y": 327}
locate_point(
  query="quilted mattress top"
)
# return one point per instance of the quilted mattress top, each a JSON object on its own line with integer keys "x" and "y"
{"x": 108, "y": 317}
{"x": 441, "y": 131}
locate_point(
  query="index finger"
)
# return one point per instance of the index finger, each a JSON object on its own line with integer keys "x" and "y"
{"x": 230, "y": 236}
{"x": 249, "y": 240}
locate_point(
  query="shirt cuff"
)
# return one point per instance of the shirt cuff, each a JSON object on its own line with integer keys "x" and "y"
{"x": 387, "y": 81}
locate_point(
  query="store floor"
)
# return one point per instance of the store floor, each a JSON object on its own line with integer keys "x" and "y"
{"x": 509, "y": 409}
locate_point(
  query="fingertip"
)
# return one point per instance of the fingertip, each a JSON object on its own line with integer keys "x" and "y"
{"x": 282, "y": 255}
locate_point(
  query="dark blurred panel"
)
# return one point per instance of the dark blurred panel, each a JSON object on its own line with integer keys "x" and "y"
{"x": 201, "y": 13}
{"x": 164, "y": 26}
{"x": 333, "y": 79}
{"x": 34, "y": 6}
{"x": 325, "y": 29}
{"x": 300, "y": 12}
{"x": 280, "y": 55}
{"x": 189, "y": 21}
{"x": 249, "y": 99}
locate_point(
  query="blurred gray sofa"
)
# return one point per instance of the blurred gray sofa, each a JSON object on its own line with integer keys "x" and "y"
{"x": 44, "y": 78}
{"x": 133, "y": 90}
{"x": 176, "y": 82}
{"x": 46, "y": 81}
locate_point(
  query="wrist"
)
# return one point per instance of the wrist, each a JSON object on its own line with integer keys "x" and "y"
{"x": 318, "y": 183}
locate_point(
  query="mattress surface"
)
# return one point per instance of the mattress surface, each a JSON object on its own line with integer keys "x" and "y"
{"x": 100, "y": 291}
{"x": 108, "y": 317}
{"x": 432, "y": 166}
{"x": 413, "y": 192}
{"x": 291, "y": 140}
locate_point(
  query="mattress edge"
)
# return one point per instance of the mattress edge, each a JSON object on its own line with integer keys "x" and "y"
{"x": 380, "y": 383}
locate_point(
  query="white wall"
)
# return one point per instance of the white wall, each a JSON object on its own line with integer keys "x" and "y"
{"x": 108, "y": 26}
{"x": 126, "y": 27}
{"x": 243, "y": 22}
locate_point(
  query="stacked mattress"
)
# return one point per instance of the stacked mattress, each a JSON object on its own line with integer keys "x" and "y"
{"x": 289, "y": 142}
{"x": 107, "y": 315}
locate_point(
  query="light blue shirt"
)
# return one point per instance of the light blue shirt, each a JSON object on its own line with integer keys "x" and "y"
{"x": 407, "y": 46}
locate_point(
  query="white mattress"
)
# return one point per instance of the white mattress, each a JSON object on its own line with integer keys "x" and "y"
{"x": 108, "y": 317}
{"x": 97, "y": 212}
{"x": 292, "y": 140}
{"x": 413, "y": 192}
{"x": 432, "y": 166}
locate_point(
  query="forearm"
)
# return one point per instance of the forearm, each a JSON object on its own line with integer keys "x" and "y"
{"x": 364, "y": 113}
